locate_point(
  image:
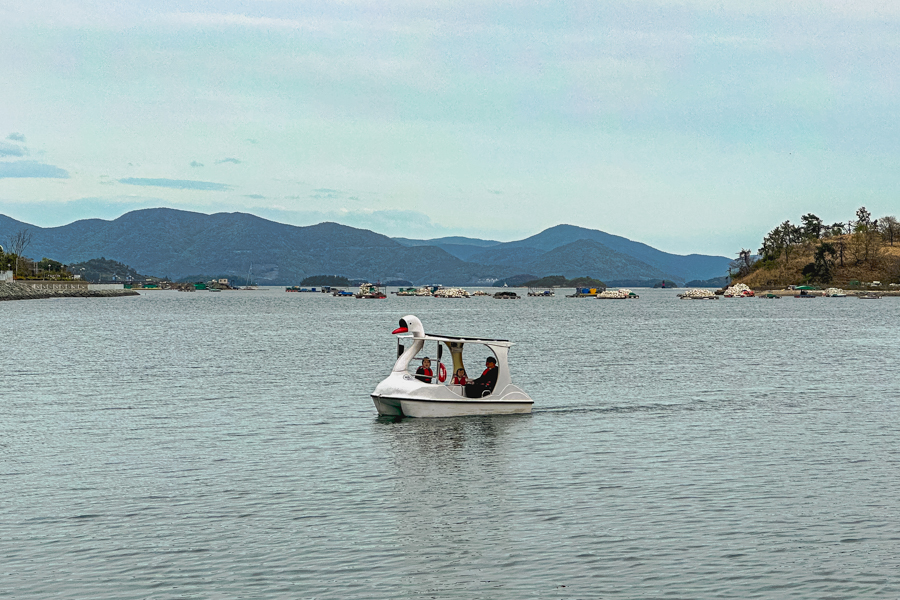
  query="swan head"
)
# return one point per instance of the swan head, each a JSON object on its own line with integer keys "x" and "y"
{"x": 411, "y": 324}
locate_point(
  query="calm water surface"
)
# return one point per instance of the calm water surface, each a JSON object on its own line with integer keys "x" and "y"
{"x": 224, "y": 446}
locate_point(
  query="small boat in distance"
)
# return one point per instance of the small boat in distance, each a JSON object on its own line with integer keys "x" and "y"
{"x": 419, "y": 394}
{"x": 586, "y": 292}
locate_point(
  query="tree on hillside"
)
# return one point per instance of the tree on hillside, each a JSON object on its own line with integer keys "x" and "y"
{"x": 863, "y": 219}
{"x": 780, "y": 242}
{"x": 740, "y": 267}
{"x": 890, "y": 228}
{"x": 864, "y": 241}
{"x": 833, "y": 230}
{"x": 820, "y": 270}
{"x": 812, "y": 226}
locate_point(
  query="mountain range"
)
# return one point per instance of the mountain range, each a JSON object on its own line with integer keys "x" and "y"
{"x": 184, "y": 245}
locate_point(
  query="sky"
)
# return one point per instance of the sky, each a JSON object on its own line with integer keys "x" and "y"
{"x": 695, "y": 126}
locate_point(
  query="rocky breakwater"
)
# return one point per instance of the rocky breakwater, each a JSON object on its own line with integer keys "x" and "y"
{"x": 21, "y": 291}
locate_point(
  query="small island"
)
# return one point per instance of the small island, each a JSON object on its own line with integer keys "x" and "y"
{"x": 326, "y": 281}
{"x": 859, "y": 254}
{"x": 559, "y": 281}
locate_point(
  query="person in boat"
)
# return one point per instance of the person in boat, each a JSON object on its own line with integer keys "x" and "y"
{"x": 460, "y": 378}
{"x": 424, "y": 373}
{"x": 486, "y": 382}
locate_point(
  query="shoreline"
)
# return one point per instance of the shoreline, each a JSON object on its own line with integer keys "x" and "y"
{"x": 19, "y": 291}
{"x": 820, "y": 293}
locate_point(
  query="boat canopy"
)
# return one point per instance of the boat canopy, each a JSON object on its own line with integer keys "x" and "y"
{"x": 459, "y": 340}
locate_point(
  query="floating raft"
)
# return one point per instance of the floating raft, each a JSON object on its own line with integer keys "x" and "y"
{"x": 834, "y": 293}
{"x": 451, "y": 293}
{"x": 698, "y": 294}
{"x": 739, "y": 290}
{"x": 617, "y": 295}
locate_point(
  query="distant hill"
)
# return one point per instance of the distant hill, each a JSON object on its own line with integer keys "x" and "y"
{"x": 460, "y": 247}
{"x": 594, "y": 259}
{"x": 504, "y": 255}
{"x": 675, "y": 266}
{"x": 179, "y": 244}
{"x": 454, "y": 240}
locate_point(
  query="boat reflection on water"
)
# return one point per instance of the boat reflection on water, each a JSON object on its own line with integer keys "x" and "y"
{"x": 446, "y": 475}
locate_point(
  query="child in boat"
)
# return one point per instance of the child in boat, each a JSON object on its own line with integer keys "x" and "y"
{"x": 424, "y": 373}
{"x": 460, "y": 378}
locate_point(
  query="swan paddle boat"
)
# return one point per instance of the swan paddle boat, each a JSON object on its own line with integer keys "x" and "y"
{"x": 404, "y": 393}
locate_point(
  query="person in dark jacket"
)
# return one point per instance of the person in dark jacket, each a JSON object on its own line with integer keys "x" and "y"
{"x": 486, "y": 382}
{"x": 424, "y": 373}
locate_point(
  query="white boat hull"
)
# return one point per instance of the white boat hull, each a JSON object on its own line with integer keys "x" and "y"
{"x": 401, "y": 395}
{"x": 397, "y": 407}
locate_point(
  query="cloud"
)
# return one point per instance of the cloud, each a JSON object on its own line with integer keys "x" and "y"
{"x": 16, "y": 137}
{"x": 326, "y": 194}
{"x": 12, "y": 150}
{"x": 194, "y": 163}
{"x": 236, "y": 20}
{"x": 228, "y": 160}
{"x": 177, "y": 184}
{"x": 30, "y": 168}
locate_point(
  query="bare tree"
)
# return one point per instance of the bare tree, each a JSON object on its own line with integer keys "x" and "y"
{"x": 18, "y": 243}
{"x": 741, "y": 266}
{"x": 890, "y": 228}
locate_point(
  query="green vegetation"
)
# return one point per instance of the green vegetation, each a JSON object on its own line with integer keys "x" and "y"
{"x": 814, "y": 252}
{"x": 552, "y": 281}
{"x": 26, "y": 268}
{"x": 103, "y": 269}
{"x": 331, "y": 280}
